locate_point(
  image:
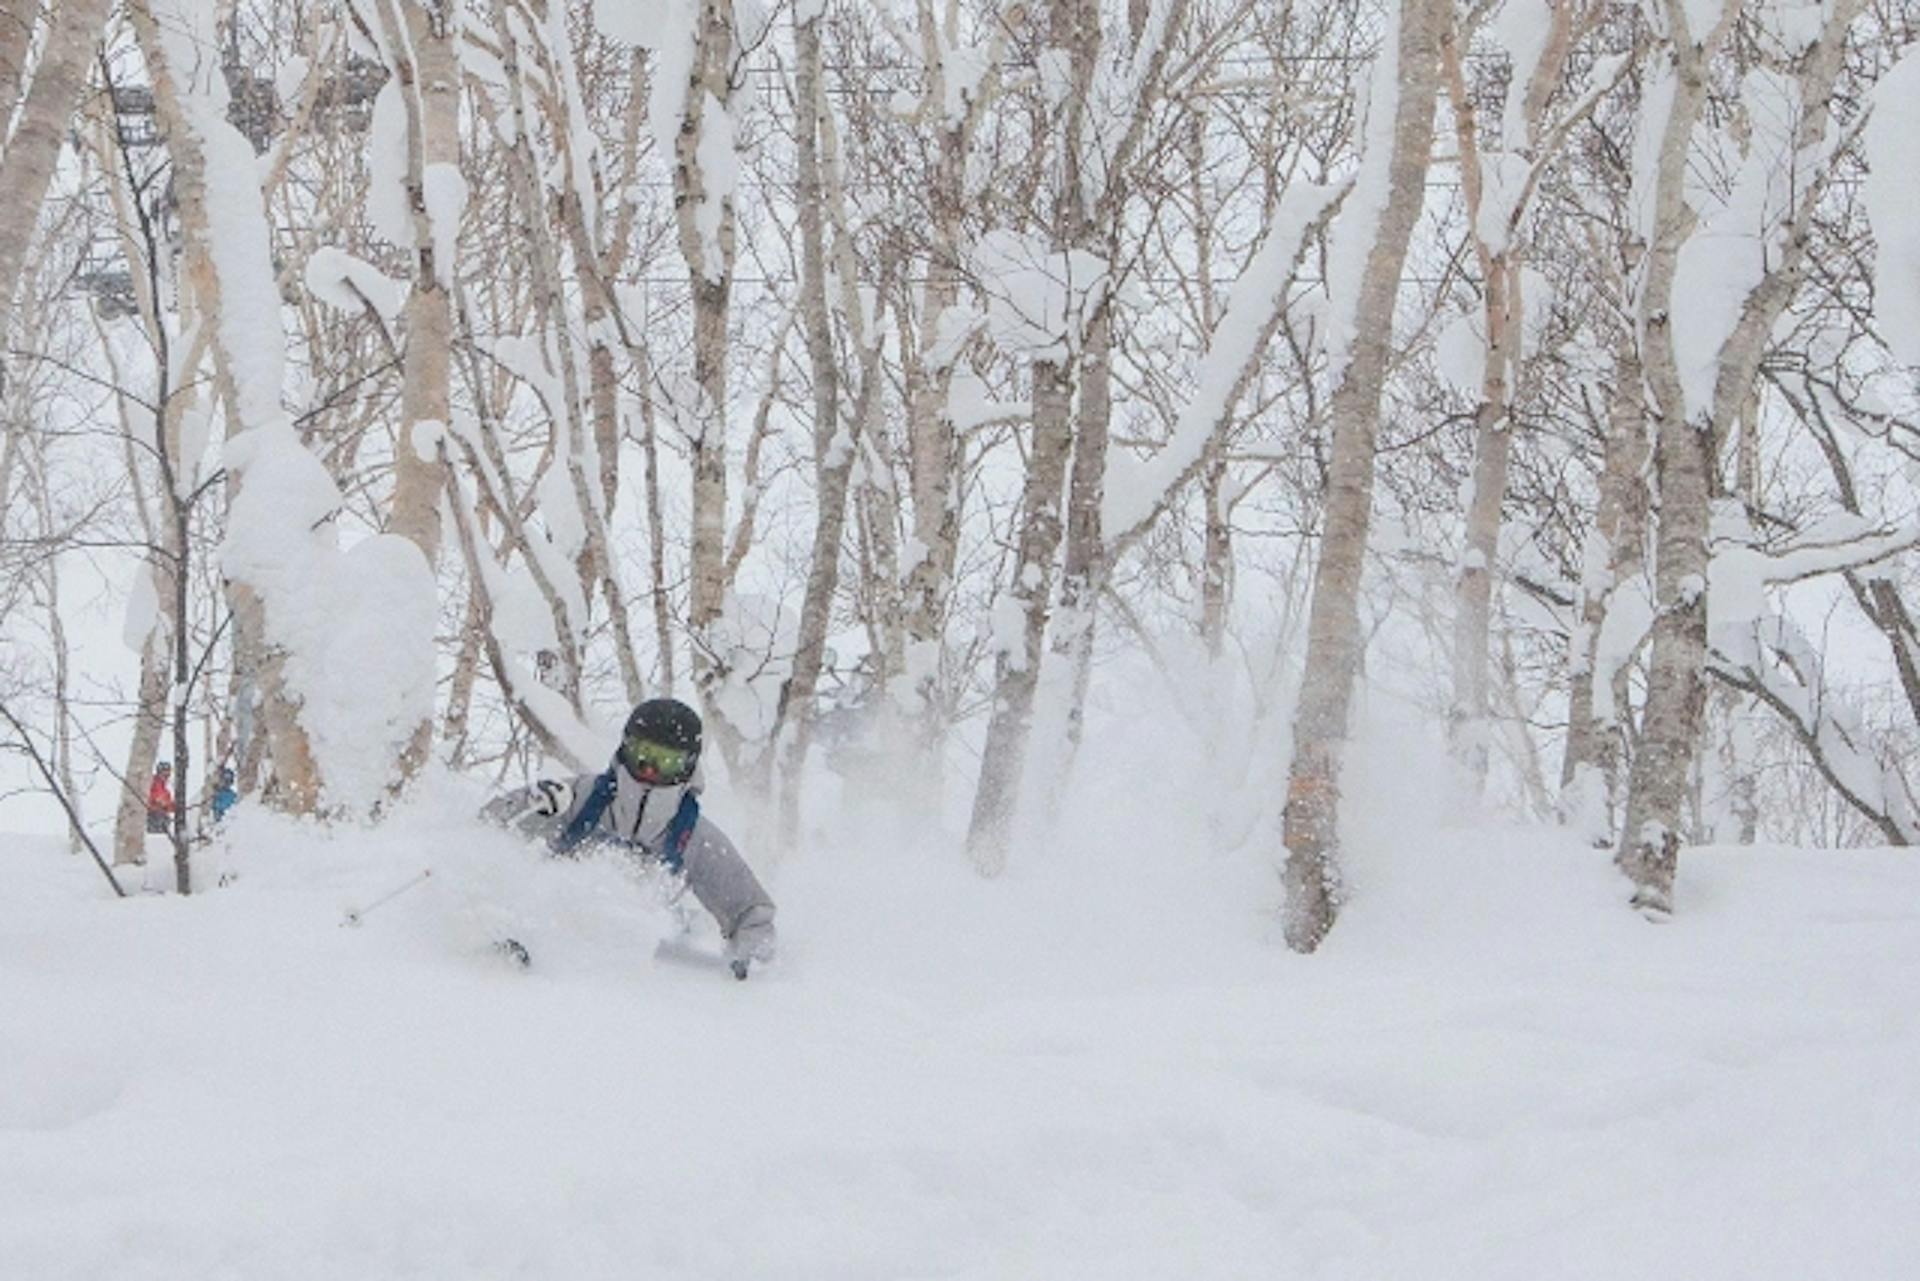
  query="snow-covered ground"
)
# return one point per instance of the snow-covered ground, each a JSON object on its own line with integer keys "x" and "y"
{"x": 1103, "y": 1066}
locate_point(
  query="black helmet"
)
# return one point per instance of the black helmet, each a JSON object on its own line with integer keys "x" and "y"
{"x": 661, "y": 743}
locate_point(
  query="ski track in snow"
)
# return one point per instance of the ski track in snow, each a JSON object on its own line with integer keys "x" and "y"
{"x": 1088, "y": 1069}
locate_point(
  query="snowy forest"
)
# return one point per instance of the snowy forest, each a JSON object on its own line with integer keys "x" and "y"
{"x": 421, "y": 383}
{"x": 1258, "y": 432}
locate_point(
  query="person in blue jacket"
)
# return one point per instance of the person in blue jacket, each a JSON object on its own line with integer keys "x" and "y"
{"x": 224, "y": 796}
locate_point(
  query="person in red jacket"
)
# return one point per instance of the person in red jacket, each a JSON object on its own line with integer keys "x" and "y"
{"x": 160, "y": 798}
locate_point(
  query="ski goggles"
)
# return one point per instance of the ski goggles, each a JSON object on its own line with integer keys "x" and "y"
{"x": 650, "y": 761}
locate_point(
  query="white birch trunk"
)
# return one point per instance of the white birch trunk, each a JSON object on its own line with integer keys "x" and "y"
{"x": 1494, "y": 235}
{"x": 143, "y": 749}
{"x": 1596, "y": 744}
{"x": 1686, "y": 446}
{"x": 466, "y": 674}
{"x": 1216, "y": 557}
{"x": 603, "y": 405}
{"x": 657, "y": 591}
{"x": 1017, "y": 672}
{"x": 933, "y": 448}
{"x": 26, "y": 169}
{"x": 1084, "y": 570}
{"x": 420, "y": 36}
{"x": 1311, "y": 818}
{"x": 833, "y": 454}
{"x": 699, "y": 199}
{"x": 836, "y": 445}
{"x": 996, "y": 801}
{"x": 1468, "y": 726}
{"x": 1084, "y": 566}
{"x": 574, "y": 433}
{"x": 1682, "y": 457}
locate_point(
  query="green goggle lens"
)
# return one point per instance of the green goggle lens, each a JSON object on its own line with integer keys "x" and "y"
{"x": 672, "y": 763}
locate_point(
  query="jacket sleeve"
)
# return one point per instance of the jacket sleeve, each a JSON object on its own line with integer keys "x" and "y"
{"x": 516, "y": 811}
{"x": 729, "y": 890}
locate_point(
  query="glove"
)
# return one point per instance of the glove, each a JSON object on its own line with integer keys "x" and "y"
{"x": 551, "y": 797}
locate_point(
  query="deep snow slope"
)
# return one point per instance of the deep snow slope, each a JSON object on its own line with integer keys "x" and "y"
{"x": 1102, "y": 1066}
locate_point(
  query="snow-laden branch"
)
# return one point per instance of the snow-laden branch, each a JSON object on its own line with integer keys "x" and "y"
{"x": 353, "y": 285}
{"x": 1772, "y": 660}
{"x": 513, "y": 622}
{"x": 1039, "y": 299}
{"x": 1137, "y": 491}
{"x": 1739, "y": 572}
{"x": 1354, "y": 235}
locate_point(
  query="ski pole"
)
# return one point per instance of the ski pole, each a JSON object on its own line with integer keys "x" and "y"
{"x": 356, "y": 915}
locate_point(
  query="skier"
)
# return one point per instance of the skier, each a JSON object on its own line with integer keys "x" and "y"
{"x": 224, "y": 796}
{"x": 160, "y": 799}
{"x": 647, "y": 802}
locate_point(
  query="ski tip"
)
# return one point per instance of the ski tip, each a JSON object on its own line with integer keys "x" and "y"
{"x": 739, "y": 968}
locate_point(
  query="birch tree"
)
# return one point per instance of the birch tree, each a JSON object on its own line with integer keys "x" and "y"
{"x": 1115, "y": 78}
{"x": 1375, "y": 228}
{"x": 418, "y": 39}
{"x": 838, "y": 439}
{"x": 1607, "y": 632}
{"x": 962, "y": 83}
{"x": 1702, "y": 352}
{"x": 704, "y": 176}
{"x": 1498, "y": 191}
{"x": 307, "y": 602}
{"x": 1049, "y": 295}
